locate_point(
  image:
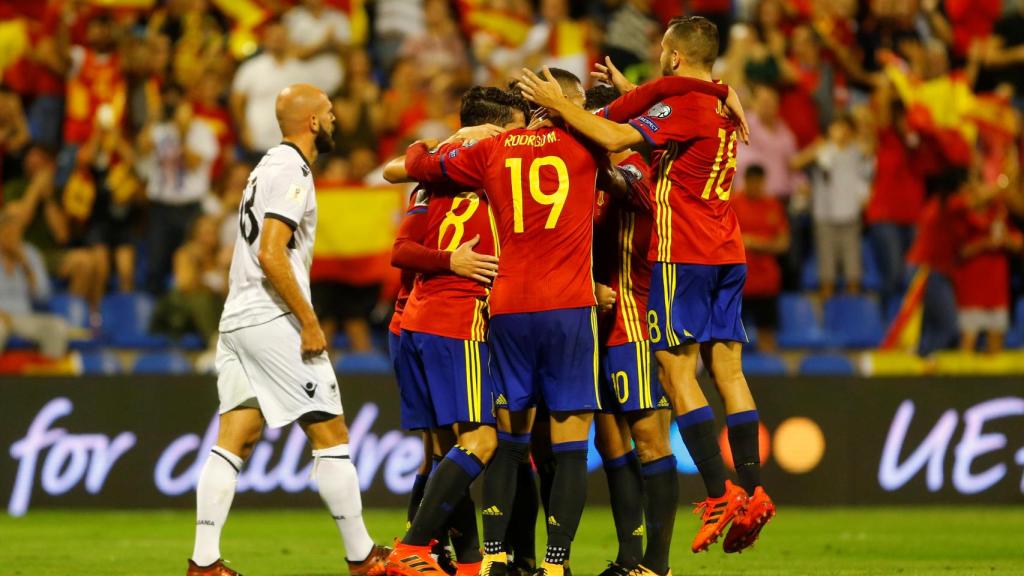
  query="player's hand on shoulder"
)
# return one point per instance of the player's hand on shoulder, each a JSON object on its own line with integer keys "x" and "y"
{"x": 469, "y": 264}
{"x": 605, "y": 297}
{"x": 611, "y": 75}
{"x": 314, "y": 343}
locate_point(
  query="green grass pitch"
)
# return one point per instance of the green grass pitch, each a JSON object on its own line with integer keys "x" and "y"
{"x": 875, "y": 541}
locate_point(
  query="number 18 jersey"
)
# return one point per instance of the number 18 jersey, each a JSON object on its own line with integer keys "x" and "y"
{"x": 281, "y": 188}
{"x": 541, "y": 188}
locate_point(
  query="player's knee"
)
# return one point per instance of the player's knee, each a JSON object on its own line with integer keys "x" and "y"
{"x": 652, "y": 447}
{"x": 482, "y": 442}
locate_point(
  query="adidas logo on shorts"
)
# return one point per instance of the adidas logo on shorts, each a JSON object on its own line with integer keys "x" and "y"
{"x": 501, "y": 401}
{"x": 663, "y": 403}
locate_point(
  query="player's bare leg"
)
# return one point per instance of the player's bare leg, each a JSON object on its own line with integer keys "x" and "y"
{"x": 239, "y": 431}
{"x": 743, "y": 424}
{"x": 625, "y": 488}
{"x": 697, "y": 427}
{"x": 513, "y": 444}
{"x": 569, "y": 434}
{"x": 339, "y": 488}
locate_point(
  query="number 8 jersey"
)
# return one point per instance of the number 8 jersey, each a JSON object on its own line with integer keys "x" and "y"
{"x": 446, "y": 304}
{"x": 541, "y": 188}
{"x": 281, "y": 188}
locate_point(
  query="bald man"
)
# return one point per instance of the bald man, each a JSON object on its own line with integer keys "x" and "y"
{"x": 272, "y": 362}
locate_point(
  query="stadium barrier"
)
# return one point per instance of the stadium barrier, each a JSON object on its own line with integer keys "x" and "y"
{"x": 139, "y": 442}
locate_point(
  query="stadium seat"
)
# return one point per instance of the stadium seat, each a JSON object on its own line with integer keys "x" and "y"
{"x": 363, "y": 363}
{"x": 166, "y": 362}
{"x": 126, "y": 320}
{"x": 799, "y": 326}
{"x": 755, "y": 364}
{"x": 191, "y": 341}
{"x": 71, "y": 308}
{"x": 826, "y": 365}
{"x": 1015, "y": 336}
{"x": 100, "y": 362}
{"x": 854, "y": 322}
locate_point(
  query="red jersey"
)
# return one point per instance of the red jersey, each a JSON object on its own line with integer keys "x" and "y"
{"x": 443, "y": 303}
{"x": 99, "y": 81}
{"x": 935, "y": 245}
{"x": 764, "y": 219}
{"x": 541, "y": 188}
{"x": 983, "y": 280}
{"x": 622, "y": 237}
{"x": 695, "y": 162}
{"x": 898, "y": 192}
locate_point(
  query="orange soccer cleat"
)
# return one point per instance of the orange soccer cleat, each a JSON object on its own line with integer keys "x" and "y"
{"x": 468, "y": 569}
{"x": 373, "y": 565}
{"x": 216, "y": 569}
{"x": 747, "y": 525}
{"x": 407, "y": 560}
{"x": 716, "y": 514}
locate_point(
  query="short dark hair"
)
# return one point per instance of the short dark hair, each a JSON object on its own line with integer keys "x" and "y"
{"x": 600, "y": 96}
{"x": 696, "y": 38}
{"x": 489, "y": 105}
{"x": 566, "y": 80}
{"x": 754, "y": 171}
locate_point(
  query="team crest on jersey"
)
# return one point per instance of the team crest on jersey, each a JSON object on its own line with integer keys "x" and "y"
{"x": 453, "y": 153}
{"x": 660, "y": 110}
{"x": 633, "y": 172}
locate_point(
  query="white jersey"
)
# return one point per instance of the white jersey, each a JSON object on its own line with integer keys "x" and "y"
{"x": 280, "y": 187}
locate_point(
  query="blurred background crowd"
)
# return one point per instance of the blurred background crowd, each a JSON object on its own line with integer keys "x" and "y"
{"x": 880, "y": 195}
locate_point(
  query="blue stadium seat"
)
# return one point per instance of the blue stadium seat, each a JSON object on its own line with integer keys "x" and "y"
{"x": 166, "y": 362}
{"x": 854, "y": 322}
{"x": 363, "y": 363}
{"x": 71, "y": 308}
{"x": 100, "y": 362}
{"x": 799, "y": 326}
{"x": 826, "y": 365}
{"x": 809, "y": 273}
{"x": 191, "y": 341}
{"x": 755, "y": 364}
{"x": 1015, "y": 336}
{"x": 126, "y": 320}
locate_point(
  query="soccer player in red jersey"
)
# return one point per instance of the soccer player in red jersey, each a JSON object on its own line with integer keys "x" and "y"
{"x": 631, "y": 397}
{"x": 442, "y": 360}
{"x": 541, "y": 186}
{"x": 699, "y": 265}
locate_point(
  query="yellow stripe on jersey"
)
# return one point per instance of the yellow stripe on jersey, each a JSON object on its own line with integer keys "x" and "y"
{"x": 628, "y": 308}
{"x": 593, "y": 328}
{"x": 664, "y": 207}
{"x": 494, "y": 231}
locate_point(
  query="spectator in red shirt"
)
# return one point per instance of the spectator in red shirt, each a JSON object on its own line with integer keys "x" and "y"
{"x": 765, "y": 236}
{"x": 897, "y": 195}
{"x": 982, "y": 277}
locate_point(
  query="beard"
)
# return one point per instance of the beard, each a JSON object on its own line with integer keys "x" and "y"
{"x": 324, "y": 141}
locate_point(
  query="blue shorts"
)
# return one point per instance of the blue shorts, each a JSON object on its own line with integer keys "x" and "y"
{"x": 628, "y": 380}
{"x": 442, "y": 381}
{"x": 695, "y": 303}
{"x": 548, "y": 357}
{"x": 394, "y": 343}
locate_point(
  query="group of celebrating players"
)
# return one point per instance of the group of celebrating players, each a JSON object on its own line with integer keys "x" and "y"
{"x": 543, "y": 261}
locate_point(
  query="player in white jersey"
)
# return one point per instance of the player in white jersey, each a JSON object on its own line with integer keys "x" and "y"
{"x": 272, "y": 359}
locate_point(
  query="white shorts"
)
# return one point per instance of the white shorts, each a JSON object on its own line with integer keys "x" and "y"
{"x": 262, "y": 367}
{"x": 984, "y": 319}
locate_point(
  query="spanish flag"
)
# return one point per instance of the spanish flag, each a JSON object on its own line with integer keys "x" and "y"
{"x": 355, "y": 231}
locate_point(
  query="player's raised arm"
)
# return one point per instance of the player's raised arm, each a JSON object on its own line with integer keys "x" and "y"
{"x": 465, "y": 165}
{"x": 394, "y": 170}
{"x": 273, "y": 257}
{"x": 547, "y": 93}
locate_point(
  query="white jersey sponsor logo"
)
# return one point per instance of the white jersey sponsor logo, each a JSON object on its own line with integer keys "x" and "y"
{"x": 280, "y": 187}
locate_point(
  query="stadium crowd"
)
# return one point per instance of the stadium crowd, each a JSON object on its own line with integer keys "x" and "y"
{"x": 885, "y": 138}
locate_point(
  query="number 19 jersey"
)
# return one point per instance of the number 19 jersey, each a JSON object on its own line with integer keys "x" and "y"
{"x": 281, "y": 188}
{"x": 541, "y": 188}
